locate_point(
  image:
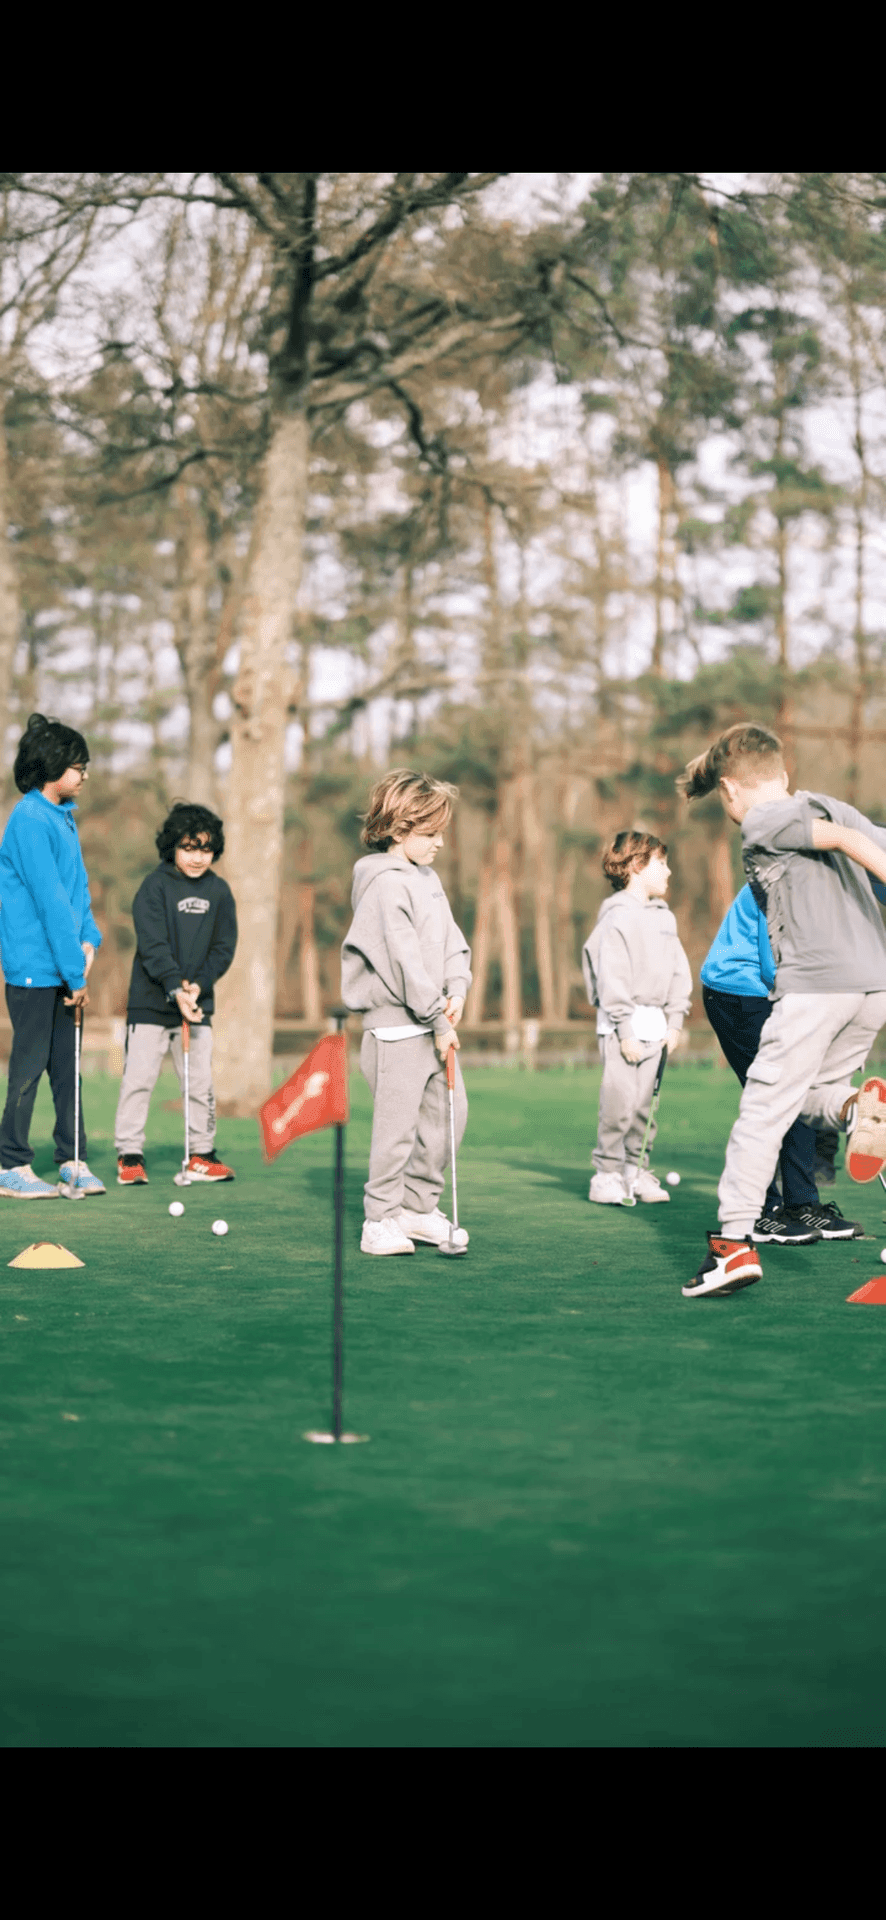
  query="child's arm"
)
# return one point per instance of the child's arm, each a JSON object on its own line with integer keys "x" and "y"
{"x": 615, "y": 992}
{"x": 223, "y": 947}
{"x": 679, "y": 998}
{"x": 829, "y": 837}
{"x": 35, "y": 863}
{"x": 458, "y": 976}
{"x": 152, "y": 938}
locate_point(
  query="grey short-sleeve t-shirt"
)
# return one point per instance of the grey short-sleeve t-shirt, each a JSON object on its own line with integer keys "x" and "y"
{"x": 825, "y": 927}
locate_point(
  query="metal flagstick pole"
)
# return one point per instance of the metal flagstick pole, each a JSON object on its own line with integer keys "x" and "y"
{"x": 338, "y": 1306}
{"x": 337, "y": 1437}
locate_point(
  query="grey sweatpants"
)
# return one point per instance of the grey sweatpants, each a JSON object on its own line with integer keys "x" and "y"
{"x": 810, "y": 1045}
{"x": 145, "y": 1050}
{"x": 410, "y": 1123}
{"x": 625, "y": 1099}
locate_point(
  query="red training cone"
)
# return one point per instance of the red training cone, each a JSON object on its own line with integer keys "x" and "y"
{"x": 872, "y": 1294}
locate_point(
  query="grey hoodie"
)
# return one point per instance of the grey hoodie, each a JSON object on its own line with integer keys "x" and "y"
{"x": 403, "y": 952}
{"x": 634, "y": 959}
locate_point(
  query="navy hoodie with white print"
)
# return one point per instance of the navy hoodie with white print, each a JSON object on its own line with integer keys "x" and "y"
{"x": 185, "y": 930}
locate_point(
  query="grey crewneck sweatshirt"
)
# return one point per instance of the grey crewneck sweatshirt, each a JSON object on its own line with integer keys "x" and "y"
{"x": 403, "y": 952}
{"x": 634, "y": 959}
{"x": 825, "y": 927}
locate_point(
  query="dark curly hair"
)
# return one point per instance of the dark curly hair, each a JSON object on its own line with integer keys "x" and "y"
{"x": 629, "y": 853}
{"x": 189, "y": 822}
{"x": 45, "y": 751}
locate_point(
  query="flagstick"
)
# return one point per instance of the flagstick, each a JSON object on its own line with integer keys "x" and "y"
{"x": 339, "y": 1015}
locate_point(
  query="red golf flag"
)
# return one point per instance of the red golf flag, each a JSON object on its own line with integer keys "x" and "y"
{"x": 316, "y": 1095}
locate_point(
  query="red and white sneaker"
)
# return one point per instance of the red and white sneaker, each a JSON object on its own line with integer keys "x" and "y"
{"x": 208, "y": 1166}
{"x": 866, "y": 1147}
{"x": 131, "y": 1170}
{"x": 730, "y": 1264}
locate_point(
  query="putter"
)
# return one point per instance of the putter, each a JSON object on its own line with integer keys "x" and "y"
{"x": 630, "y": 1199}
{"x": 69, "y": 1189}
{"x": 183, "y": 1179}
{"x": 452, "y": 1252}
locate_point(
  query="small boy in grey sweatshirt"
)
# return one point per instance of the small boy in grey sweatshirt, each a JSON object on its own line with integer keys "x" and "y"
{"x": 808, "y": 858}
{"x": 406, "y": 969}
{"x": 637, "y": 976}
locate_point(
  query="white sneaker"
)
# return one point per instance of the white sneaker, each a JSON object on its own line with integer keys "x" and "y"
{"x": 384, "y": 1236}
{"x": 432, "y": 1228}
{"x": 607, "y": 1189}
{"x": 646, "y": 1186}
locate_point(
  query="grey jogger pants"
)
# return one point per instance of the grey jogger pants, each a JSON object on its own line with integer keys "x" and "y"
{"x": 625, "y": 1099}
{"x": 145, "y": 1050}
{"x": 410, "y": 1123}
{"x": 810, "y": 1045}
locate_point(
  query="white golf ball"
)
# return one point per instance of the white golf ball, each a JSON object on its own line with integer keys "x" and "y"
{"x": 219, "y": 1226}
{"x": 673, "y": 1179}
{"x": 176, "y": 1208}
{"x": 883, "y": 1254}
{"x": 459, "y": 1237}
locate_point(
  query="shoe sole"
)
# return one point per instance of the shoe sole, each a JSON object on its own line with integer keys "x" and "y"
{"x": 803, "y": 1240}
{"x": 132, "y": 1183}
{"x": 209, "y": 1179}
{"x": 625, "y": 1201}
{"x": 385, "y": 1253}
{"x": 9, "y": 1193}
{"x": 732, "y": 1285}
{"x": 866, "y": 1149}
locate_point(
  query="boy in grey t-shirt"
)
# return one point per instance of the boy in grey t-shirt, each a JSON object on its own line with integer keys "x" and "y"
{"x": 807, "y": 857}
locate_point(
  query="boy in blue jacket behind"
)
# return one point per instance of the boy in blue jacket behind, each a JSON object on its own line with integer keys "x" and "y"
{"x": 48, "y": 940}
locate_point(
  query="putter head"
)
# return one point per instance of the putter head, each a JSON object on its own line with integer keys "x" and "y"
{"x": 451, "y": 1252}
{"x": 68, "y": 1192}
{"x": 181, "y": 1179}
{"x": 630, "y": 1200}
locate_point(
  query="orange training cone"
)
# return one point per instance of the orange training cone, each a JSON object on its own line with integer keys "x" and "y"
{"x": 872, "y": 1294}
{"x": 46, "y": 1253}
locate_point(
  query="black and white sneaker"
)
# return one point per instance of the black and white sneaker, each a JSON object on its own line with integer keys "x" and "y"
{"x": 827, "y": 1222}
{"x": 782, "y": 1229}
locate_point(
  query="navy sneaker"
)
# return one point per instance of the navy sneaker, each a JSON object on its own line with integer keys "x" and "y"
{"x": 786, "y": 1228}
{"x": 828, "y": 1222}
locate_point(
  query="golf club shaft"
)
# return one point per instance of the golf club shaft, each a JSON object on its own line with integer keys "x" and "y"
{"x": 450, "y": 1082}
{"x": 653, "y": 1105}
{"x": 78, "y": 1023}
{"x": 186, "y": 1090}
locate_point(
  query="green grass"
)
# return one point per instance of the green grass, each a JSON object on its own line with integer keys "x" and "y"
{"x": 590, "y": 1512}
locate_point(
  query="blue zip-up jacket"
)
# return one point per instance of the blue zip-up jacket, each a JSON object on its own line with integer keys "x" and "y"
{"x": 45, "y": 911}
{"x": 740, "y": 960}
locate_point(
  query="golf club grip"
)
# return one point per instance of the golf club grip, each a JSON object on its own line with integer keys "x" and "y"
{"x": 450, "y": 1067}
{"x": 78, "y": 1014}
{"x": 186, "y": 1037}
{"x": 660, "y": 1071}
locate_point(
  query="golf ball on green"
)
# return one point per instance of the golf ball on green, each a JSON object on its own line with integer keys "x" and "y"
{"x": 459, "y": 1237}
{"x": 176, "y": 1208}
{"x": 219, "y": 1226}
{"x": 883, "y": 1253}
{"x": 673, "y": 1179}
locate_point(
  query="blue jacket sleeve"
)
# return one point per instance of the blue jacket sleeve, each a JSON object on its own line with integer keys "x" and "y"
{"x": 767, "y": 959}
{"x": 37, "y": 868}
{"x": 88, "y": 929}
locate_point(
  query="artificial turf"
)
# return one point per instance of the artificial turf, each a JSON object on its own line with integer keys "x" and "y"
{"x": 589, "y": 1512}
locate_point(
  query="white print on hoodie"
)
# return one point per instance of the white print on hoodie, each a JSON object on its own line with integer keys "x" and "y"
{"x": 403, "y": 951}
{"x": 632, "y": 961}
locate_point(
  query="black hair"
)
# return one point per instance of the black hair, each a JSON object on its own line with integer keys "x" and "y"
{"x": 45, "y": 751}
{"x": 189, "y": 822}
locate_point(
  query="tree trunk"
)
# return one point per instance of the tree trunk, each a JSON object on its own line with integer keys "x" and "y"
{"x": 482, "y": 941}
{"x": 860, "y": 683}
{"x": 10, "y": 606}
{"x": 722, "y": 885}
{"x": 568, "y": 865}
{"x": 541, "y": 878}
{"x": 308, "y": 956}
{"x": 665, "y": 504}
{"x": 506, "y": 910}
{"x": 196, "y": 643}
{"x": 255, "y": 796}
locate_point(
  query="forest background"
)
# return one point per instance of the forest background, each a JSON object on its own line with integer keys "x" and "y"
{"x": 534, "y": 481}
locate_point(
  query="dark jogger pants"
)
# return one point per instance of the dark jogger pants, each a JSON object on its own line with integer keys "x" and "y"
{"x": 738, "y": 1021}
{"x": 42, "y": 1041}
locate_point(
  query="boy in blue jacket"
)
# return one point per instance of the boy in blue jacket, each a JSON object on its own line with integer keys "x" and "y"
{"x": 737, "y": 979}
{"x": 48, "y": 940}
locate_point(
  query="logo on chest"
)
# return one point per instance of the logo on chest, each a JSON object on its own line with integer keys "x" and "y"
{"x": 193, "y": 903}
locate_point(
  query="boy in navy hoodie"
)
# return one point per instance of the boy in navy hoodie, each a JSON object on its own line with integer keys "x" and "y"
{"x": 186, "y": 933}
{"x": 48, "y": 939}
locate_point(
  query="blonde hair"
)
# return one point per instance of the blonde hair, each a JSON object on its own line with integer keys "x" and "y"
{"x": 629, "y": 853}
{"x": 746, "y": 753}
{"x": 402, "y": 802}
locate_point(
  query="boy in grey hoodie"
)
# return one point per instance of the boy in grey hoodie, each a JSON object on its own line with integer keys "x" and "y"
{"x": 637, "y": 976}
{"x": 406, "y": 969}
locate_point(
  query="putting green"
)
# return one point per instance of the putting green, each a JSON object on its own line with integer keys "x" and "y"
{"x": 590, "y": 1512}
